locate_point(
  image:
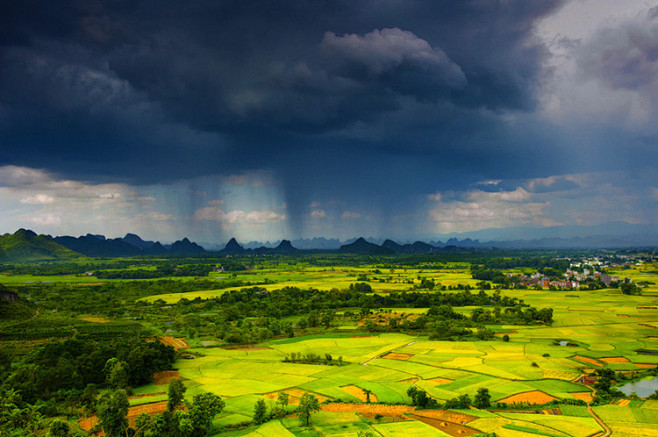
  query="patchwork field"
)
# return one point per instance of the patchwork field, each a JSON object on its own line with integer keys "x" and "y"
{"x": 365, "y": 391}
{"x": 531, "y": 368}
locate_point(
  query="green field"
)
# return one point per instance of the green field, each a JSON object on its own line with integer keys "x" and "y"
{"x": 606, "y": 328}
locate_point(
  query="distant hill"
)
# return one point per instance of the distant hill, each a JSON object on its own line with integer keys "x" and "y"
{"x": 361, "y": 246}
{"x": 185, "y": 247}
{"x": 130, "y": 245}
{"x": 233, "y": 248}
{"x": 25, "y": 245}
{"x": 285, "y": 247}
{"x": 98, "y": 245}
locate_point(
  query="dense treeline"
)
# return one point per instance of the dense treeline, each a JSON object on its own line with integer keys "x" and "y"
{"x": 288, "y": 301}
{"x": 66, "y": 368}
{"x": 161, "y": 271}
{"x": 256, "y": 314}
{"x": 110, "y": 299}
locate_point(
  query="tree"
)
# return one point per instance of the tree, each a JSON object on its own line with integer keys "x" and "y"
{"x": 112, "y": 409}
{"x": 88, "y": 397}
{"x": 205, "y": 406}
{"x": 116, "y": 373}
{"x": 282, "y": 402}
{"x": 260, "y": 411}
{"x": 176, "y": 394}
{"x": 307, "y": 404}
{"x": 482, "y": 399}
{"x": 144, "y": 422}
{"x": 367, "y": 393}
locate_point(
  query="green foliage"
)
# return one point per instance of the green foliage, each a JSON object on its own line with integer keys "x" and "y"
{"x": 116, "y": 373}
{"x": 420, "y": 399}
{"x": 482, "y": 399}
{"x": 461, "y": 402}
{"x": 176, "y": 394}
{"x": 205, "y": 406}
{"x": 312, "y": 358}
{"x": 59, "y": 428}
{"x": 112, "y": 409}
{"x": 73, "y": 364}
{"x": 629, "y": 288}
{"x": 307, "y": 405}
{"x": 260, "y": 411}
{"x": 16, "y": 416}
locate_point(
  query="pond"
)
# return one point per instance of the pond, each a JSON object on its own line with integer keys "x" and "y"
{"x": 642, "y": 388}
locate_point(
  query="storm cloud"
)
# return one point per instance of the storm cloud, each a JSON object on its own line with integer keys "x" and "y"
{"x": 371, "y": 105}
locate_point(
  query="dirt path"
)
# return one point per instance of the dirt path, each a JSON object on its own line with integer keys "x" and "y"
{"x": 608, "y": 431}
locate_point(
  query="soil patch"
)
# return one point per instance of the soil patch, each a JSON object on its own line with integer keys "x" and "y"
{"x": 95, "y": 319}
{"x": 649, "y": 326}
{"x": 450, "y": 416}
{"x": 384, "y": 410}
{"x": 623, "y": 402}
{"x": 623, "y": 315}
{"x": 505, "y": 332}
{"x": 358, "y": 393}
{"x": 583, "y": 396}
{"x": 154, "y": 408}
{"x": 534, "y": 397}
{"x": 176, "y": 343}
{"x": 454, "y": 429}
{"x": 587, "y": 360}
{"x": 615, "y": 360}
{"x": 397, "y": 356}
{"x": 148, "y": 395}
{"x": 162, "y": 378}
{"x": 646, "y": 366}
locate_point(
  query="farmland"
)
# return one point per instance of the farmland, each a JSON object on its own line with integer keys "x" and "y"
{"x": 357, "y": 333}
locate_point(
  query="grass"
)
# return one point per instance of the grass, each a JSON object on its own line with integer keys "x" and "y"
{"x": 530, "y": 430}
{"x": 407, "y": 429}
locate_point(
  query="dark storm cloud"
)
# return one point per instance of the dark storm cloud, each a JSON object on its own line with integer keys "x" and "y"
{"x": 369, "y": 99}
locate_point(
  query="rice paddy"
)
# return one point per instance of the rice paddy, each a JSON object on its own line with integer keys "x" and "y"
{"x": 529, "y": 369}
{"x": 368, "y": 392}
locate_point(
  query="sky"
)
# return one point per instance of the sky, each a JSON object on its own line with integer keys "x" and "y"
{"x": 266, "y": 120}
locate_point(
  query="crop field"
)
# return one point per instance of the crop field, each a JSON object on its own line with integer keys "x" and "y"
{"x": 327, "y": 279}
{"x": 531, "y": 368}
{"x": 363, "y": 386}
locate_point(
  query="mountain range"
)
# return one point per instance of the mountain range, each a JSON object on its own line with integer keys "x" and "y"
{"x": 26, "y": 245}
